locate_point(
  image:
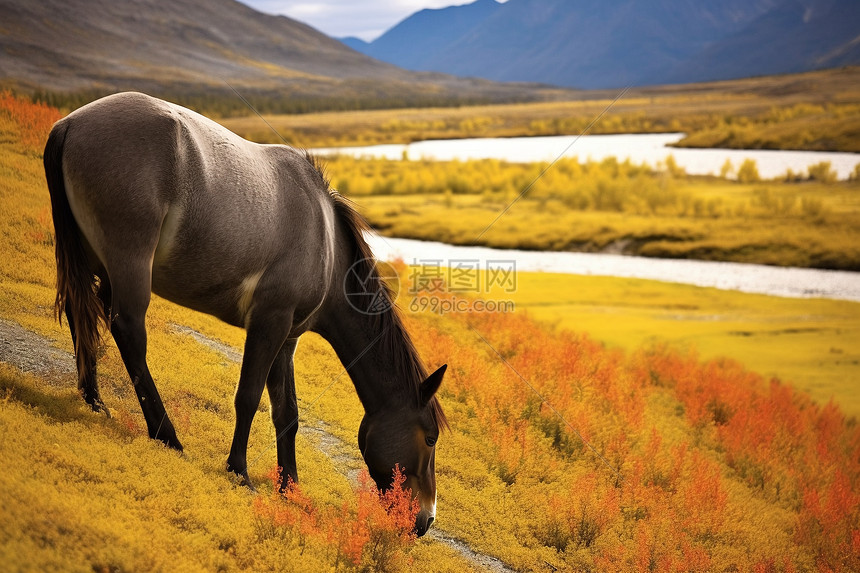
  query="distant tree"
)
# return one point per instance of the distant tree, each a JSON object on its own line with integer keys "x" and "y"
{"x": 673, "y": 168}
{"x": 822, "y": 172}
{"x": 748, "y": 172}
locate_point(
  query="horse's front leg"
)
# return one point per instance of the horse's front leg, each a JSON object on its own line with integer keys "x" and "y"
{"x": 281, "y": 385}
{"x": 266, "y": 336}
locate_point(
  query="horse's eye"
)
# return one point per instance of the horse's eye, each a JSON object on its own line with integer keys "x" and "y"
{"x": 430, "y": 441}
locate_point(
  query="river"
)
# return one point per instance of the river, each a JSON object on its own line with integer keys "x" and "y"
{"x": 650, "y": 149}
{"x": 639, "y": 148}
{"x": 760, "y": 279}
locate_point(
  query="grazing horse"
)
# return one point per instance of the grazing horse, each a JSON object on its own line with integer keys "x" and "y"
{"x": 148, "y": 196}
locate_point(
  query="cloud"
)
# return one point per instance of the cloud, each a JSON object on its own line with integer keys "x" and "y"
{"x": 365, "y": 19}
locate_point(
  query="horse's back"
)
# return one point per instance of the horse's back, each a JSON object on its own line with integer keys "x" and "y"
{"x": 208, "y": 210}
{"x": 129, "y": 145}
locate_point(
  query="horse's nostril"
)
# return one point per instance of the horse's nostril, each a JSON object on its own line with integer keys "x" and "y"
{"x": 421, "y": 529}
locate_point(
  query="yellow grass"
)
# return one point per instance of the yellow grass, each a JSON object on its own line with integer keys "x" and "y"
{"x": 84, "y": 492}
{"x": 816, "y": 110}
{"x": 608, "y": 206}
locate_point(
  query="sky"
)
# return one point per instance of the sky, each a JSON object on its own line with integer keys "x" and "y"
{"x": 365, "y": 19}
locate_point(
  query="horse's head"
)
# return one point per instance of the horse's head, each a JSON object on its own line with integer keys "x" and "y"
{"x": 406, "y": 436}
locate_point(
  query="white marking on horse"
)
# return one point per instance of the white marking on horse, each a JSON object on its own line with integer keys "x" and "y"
{"x": 246, "y": 293}
{"x": 167, "y": 235}
{"x": 86, "y": 222}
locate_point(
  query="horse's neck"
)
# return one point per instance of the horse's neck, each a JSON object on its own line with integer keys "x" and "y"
{"x": 362, "y": 343}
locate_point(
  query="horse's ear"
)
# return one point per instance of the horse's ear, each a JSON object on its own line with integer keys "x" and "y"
{"x": 429, "y": 386}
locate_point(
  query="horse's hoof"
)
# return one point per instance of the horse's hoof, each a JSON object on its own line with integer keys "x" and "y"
{"x": 99, "y": 407}
{"x": 243, "y": 479}
{"x": 171, "y": 442}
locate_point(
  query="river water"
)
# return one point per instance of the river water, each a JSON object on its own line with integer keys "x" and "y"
{"x": 650, "y": 149}
{"x": 760, "y": 279}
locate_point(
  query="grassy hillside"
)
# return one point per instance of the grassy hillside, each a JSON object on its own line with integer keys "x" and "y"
{"x": 641, "y": 460}
{"x": 84, "y": 492}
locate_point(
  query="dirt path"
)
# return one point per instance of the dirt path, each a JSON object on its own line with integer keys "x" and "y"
{"x": 34, "y": 353}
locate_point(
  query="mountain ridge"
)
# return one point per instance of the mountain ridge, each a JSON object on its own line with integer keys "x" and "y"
{"x": 206, "y": 47}
{"x": 410, "y": 43}
{"x": 801, "y": 35}
{"x": 589, "y": 44}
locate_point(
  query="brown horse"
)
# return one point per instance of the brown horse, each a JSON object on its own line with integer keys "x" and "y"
{"x": 149, "y": 197}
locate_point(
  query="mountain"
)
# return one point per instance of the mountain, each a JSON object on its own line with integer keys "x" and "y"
{"x": 593, "y": 43}
{"x": 197, "y": 41}
{"x": 356, "y": 44}
{"x": 599, "y": 44}
{"x": 182, "y": 46}
{"x": 414, "y": 42}
{"x": 796, "y": 36}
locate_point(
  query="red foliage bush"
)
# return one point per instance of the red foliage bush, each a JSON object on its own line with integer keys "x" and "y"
{"x": 372, "y": 534}
{"x": 781, "y": 443}
{"x": 34, "y": 120}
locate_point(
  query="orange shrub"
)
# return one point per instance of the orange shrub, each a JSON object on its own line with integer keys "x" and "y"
{"x": 703, "y": 497}
{"x": 829, "y": 521}
{"x": 776, "y": 438}
{"x": 384, "y": 524}
{"x": 369, "y": 533}
{"x": 34, "y": 120}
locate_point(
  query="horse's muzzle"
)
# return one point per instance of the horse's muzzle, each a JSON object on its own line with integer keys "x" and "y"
{"x": 423, "y": 523}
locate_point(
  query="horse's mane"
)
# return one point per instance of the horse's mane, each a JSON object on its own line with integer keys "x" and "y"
{"x": 395, "y": 339}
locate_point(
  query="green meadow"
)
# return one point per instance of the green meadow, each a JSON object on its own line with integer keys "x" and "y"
{"x": 611, "y": 206}
{"x": 812, "y": 343}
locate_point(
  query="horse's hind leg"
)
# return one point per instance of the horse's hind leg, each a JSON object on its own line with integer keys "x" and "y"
{"x": 88, "y": 384}
{"x": 129, "y": 302}
{"x": 281, "y": 385}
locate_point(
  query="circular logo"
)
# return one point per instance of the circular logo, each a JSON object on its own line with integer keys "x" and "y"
{"x": 367, "y": 285}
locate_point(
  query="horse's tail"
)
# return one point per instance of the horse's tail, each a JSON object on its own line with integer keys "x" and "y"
{"x": 76, "y": 284}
